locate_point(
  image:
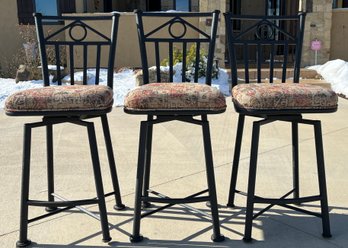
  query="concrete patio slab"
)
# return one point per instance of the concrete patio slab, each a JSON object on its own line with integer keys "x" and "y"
{"x": 177, "y": 170}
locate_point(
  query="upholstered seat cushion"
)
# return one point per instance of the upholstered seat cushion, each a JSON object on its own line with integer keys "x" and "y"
{"x": 283, "y": 97}
{"x": 174, "y": 97}
{"x": 60, "y": 98}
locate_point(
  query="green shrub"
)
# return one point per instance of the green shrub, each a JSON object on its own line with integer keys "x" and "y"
{"x": 190, "y": 63}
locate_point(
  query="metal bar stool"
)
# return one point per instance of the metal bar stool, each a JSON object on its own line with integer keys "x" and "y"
{"x": 164, "y": 102}
{"x": 69, "y": 104}
{"x": 266, "y": 41}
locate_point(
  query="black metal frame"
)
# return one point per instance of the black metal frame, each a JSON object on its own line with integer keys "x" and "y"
{"x": 286, "y": 40}
{"x": 294, "y": 116}
{"x": 142, "y": 198}
{"x": 75, "y": 117}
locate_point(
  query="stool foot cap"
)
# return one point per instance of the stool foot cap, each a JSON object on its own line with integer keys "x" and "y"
{"x": 230, "y": 205}
{"x": 119, "y": 207}
{"x": 50, "y": 209}
{"x": 247, "y": 240}
{"x": 107, "y": 240}
{"x": 136, "y": 239}
{"x": 327, "y": 236}
{"x": 219, "y": 238}
{"x": 23, "y": 243}
{"x": 145, "y": 205}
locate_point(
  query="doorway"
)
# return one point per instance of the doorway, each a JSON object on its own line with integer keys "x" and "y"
{"x": 153, "y": 5}
{"x": 264, "y": 7}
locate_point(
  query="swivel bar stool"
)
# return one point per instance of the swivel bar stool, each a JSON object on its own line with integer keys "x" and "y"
{"x": 164, "y": 102}
{"x": 73, "y": 103}
{"x": 270, "y": 42}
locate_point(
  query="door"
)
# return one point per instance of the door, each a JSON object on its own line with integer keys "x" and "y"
{"x": 262, "y": 7}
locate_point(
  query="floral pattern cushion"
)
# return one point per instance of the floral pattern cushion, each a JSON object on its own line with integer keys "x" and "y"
{"x": 175, "y": 97}
{"x": 283, "y": 96}
{"x": 61, "y": 98}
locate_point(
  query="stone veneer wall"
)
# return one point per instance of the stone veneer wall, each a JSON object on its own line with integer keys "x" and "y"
{"x": 339, "y": 34}
{"x": 318, "y": 26}
{"x": 208, "y": 6}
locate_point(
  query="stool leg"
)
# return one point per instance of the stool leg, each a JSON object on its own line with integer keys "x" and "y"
{"x": 50, "y": 169}
{"x": 322, "y": 180}
{"x": 251, "y": 182}
{"x": 235, "y": 164}
{"x": 98, "y": 182}
{"x": 216, "y": 237}
{"x": 147, "y": 164}
{"x": 23, "y": 225}
{"x": 112, "y": 165}
{"x": 136, "y": 237}
{"x": 295, "y": 167}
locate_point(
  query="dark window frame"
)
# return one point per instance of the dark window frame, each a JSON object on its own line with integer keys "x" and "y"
{"x": 189, "y": 5}
{"x": 157, "y": 6}
{"x": 26, "y": 8}
{"x": 336, "y": 6}
{"x": 57, "y": 6}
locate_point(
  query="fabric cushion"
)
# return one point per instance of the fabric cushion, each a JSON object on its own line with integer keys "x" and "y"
{"x": 283, "y": 96}
{"x": 61, "y": 98}
{"x": 175, "y": 97}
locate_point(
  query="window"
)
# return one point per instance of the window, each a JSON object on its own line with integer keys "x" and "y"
{"x": 26, "y": 8}
{"x": 182, "y": 5}
{"x": 153, "y": 5}
{"x": 340, "y": 4}
{"x": 165, "y": 5}
{"x": 46, "y": 7}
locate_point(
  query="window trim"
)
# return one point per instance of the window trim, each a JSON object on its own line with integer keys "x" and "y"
{"x": 344, "y": 4}
{"x": 26, "y": 8}
{"x": 189, "y": 5}
{"x": 57, "y": 7}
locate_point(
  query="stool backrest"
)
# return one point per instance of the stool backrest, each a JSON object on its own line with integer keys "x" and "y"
{"x": 164, "y": 34}
{"x": 266, "y": 41}
{"x": 79, "y": 43}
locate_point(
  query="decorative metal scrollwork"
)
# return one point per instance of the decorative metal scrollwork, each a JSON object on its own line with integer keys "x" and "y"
{"x": 177, "y": 22}
{"x": 75, "y": 29}
{"x": 264, "y": 31}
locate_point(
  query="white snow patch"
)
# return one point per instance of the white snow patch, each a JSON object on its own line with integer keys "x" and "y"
{"x": 78, "y": 78}
{"x": 8, "y": 86}
{"x": 221, "y": 82}
{"x": 334, "y": 72}
{"x": 52, "y": 67}
{"x": 123, "y": 82}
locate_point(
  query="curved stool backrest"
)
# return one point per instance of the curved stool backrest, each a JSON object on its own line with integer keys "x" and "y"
{"x": 176, "y": 32}
{"x": 83, "y": 42}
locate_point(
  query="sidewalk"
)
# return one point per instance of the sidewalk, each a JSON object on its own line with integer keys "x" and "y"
{"x": 178, "y": 171}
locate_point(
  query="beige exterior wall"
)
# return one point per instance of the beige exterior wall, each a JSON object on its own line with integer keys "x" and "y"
{"x": 339, "y": 34}
{"x": 323, "y": 23}
{"x": 127, "y": 51}
{"x": 10, "y": 40}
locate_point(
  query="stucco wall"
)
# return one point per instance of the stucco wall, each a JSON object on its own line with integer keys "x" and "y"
{"x": 339, "y": 34}
{"x": 323, "y": 23}
{"x": 9, "y": 37}
{"x": 127, "y": 51}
